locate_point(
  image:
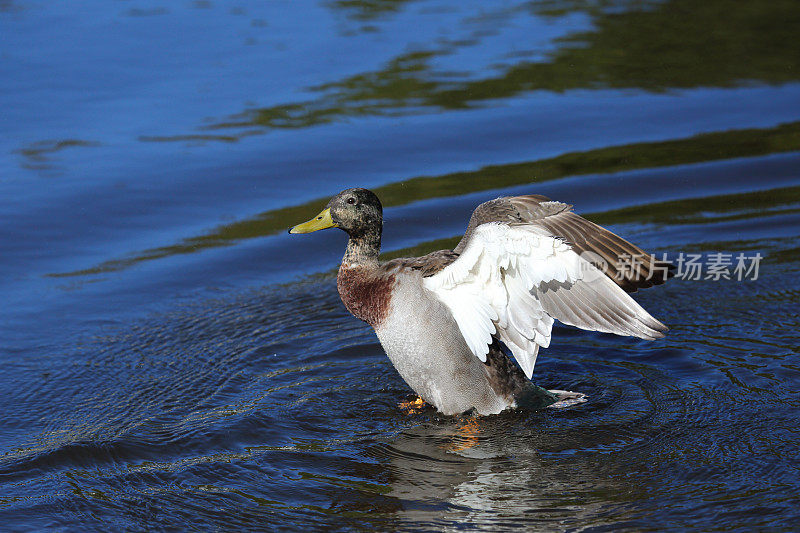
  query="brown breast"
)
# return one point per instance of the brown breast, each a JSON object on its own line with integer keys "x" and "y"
{"x": 366, "y": 292}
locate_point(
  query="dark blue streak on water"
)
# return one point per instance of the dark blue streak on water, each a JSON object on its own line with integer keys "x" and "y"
{"x": 227, "y": 387}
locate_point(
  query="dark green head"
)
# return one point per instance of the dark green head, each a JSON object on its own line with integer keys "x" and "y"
{"x": 356, "y": 211}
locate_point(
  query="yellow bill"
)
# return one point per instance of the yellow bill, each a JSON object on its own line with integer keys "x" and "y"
{"x": 321, "y": 221}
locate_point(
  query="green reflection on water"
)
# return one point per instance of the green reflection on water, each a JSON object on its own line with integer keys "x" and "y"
{"x": 39, "y": 155}
{"x": 722, "y": 208}
{"x": 700, "y": 148}
{"x": 653, "y": 46}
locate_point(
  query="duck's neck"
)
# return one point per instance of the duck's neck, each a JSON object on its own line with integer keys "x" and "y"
{"x": 365, "y": 288}
{"x": 363, "y": 249}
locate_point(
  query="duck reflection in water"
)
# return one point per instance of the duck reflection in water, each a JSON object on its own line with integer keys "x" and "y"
{"x": 500, "y": 475}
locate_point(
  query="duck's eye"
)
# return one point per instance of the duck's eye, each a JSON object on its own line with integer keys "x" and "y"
{"x": 351, "y": 200}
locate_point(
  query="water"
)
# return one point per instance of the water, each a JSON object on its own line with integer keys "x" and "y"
{"x": 172, "y": 360}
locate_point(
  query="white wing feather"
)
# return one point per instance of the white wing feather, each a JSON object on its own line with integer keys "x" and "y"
{"x": 511, "y": 281}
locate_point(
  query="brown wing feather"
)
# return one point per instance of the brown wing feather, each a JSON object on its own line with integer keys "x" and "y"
{"x": 428, "y": 264}
{"x": 501, "y": 210}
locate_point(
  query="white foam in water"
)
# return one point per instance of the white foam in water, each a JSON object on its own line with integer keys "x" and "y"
{"x": 567, "y": 398}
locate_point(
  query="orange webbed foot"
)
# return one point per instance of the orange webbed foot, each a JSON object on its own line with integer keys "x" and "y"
{"x": 466, "y": 436}
{"x": 412, "y": 407}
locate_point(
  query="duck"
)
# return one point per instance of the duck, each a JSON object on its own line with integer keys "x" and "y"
{"x": 454, "y": 322}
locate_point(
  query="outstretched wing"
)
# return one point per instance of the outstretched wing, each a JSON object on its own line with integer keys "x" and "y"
{"x": 512, "y": 280}
{"x": 628, "y": 265}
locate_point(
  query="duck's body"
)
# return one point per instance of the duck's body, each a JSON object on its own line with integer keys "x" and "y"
{"x": 441, "y": 318}
{"x": 427, "y": 350}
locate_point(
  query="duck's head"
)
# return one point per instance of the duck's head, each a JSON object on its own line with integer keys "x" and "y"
{"x": 356, "y": 211}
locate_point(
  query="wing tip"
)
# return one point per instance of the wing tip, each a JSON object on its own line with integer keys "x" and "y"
{"x": 656, "y": 329}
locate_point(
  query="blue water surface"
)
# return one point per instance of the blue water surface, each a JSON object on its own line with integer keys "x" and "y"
{"x": 173, "y": 360}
